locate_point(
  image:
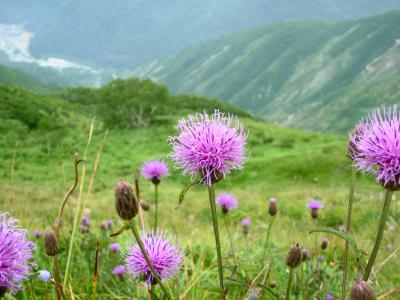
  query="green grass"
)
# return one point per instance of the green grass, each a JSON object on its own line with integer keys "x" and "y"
{"x": 291, "y": 165}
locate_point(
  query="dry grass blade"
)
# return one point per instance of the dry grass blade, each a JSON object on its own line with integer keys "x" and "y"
{"x": 96, "y": 263}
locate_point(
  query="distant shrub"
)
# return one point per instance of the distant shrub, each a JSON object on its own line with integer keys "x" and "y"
{"x": 287, "y": 143}
{"x": 131, "y": 103}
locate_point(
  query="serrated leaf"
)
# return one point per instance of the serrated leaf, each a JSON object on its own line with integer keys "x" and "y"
{"x": 184, "y": 191}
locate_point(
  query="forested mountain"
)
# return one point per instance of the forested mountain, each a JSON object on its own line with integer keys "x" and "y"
{"x": 311, "y": 75}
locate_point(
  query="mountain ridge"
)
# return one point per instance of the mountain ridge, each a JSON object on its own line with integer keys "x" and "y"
{"x": 288, "y": 76}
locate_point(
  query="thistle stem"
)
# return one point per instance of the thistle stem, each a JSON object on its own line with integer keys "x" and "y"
{"x": 378, "y": 240}
{"x": 348, "y": 225}
{"x": 60, "y": 294}
{"x": 156, "y": 202}
{"x": 146, "y": 257}
{"x": 211, "y": 194}
{"x": 230, "y": 240}
{"x": 289, "y": 285}
{"x": 267, "y": 240}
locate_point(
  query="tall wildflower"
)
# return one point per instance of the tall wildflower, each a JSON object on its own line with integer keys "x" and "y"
{"x": 154, "y": 170}
{"x": 210, "y": 147}
{"x": 378, "y": 153}
{"x": 127, "y": 208}
{"x": 15, "y": 253}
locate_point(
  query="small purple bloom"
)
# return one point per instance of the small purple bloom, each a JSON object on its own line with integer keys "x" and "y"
{"x": 245, "y": 225}
{"x": 378, "y": 147}
{"x": 328, "y": 297}
{"x": 164, "y": 255}
{"x": 118, "y": 271}
{"x": 314, "y": 205}
{"x": 209, "y": 146}
{"x": 85, "y": 220}
{"x": 227, "y": 202}
{"x": 154, "y": 170}
{"x": 321, "y": 257}
{"x": 114, "y": 247}
{"x": 44, "y": 275}
{"x": 15, "y": 253}
{"x": 37, "y": 233}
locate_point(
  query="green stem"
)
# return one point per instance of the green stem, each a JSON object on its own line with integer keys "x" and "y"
{"x": 348, "y": 225}
{"x": 289, "y": 285}
{"x": 267, "y": 241}
{"x": 211, "y": 194}
{"x": 156, "y": 201}
{"x": 146, "y": 257}
{"x": 230, "y": 240}
{"x": 378, "y": 240}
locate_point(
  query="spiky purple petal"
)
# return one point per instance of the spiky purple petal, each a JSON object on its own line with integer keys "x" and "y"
{"x": 209, "y": 146}
{"x": 163, "y": 254}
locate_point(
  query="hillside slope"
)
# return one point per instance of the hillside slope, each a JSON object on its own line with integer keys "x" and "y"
{"x": 19, "y": 78}
{"x": 310, "y": 75}
{"x": 119, "y": 34}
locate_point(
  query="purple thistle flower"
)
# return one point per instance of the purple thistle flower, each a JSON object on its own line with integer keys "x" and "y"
{"x": 114, "y": 247}
{"x": 37, "y": 233}
{"x": 85, "y": 220}
{"x": 227, "y": 202}
{"x": 163, "y": 254}
{"x": 15, "y": 253}
{"x": 153, "y": 170}
{"x": 44, "y": 275}
{"x": 378, "y": 147}
{"x": 118, "y": 271}
{"x": 314, "y": 205}
{"x": 245, "y": 225}
{"x": 328, "y": 297}
{"x": 211, "y": 146}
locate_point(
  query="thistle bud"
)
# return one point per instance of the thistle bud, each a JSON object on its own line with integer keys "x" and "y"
{"x": 324, "y": 243}
{"x": 294, "y": 257}
{"x": 50, "y": 243}
{"x": 245, "y": 225}
{"x": 272, "y": 284}
{"x": 306, "y": 256}
{"x": 125, "y": 202}
{"x": 361, "y": 290}
{"x": 272, "y": 209}
{"x": 144, "y": 205}
{"x": 355, "y": 137}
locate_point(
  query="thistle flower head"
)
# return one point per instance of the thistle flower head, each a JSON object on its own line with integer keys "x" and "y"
{"x": 114, "y": 247}
{"x": 118, "y": 271}
{"x": 361, "y": 290}
{"x": 50, "y": 243}
{"x": 328, "y": 297}
{"x": 153, "y": 170}
{"x": 294, "y": 257}
{"x": 324, "y": 243}
{"x": 164, "y": 255}
{"x": 245, "y": 225}
{"x": 314, "y": 205}
{"x": 125, "y": 201}
{"x": 15, "y": 253}
{"x": 227, "y": 202}
{"x": 272, "y": 208}
{"x": 378, "y": 147}
{"x": 209, "y": 146}
{"x": 37, "y": 233}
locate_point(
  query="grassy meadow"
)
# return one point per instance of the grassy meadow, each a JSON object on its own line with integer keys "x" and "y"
{"x": 37, "y": 168}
